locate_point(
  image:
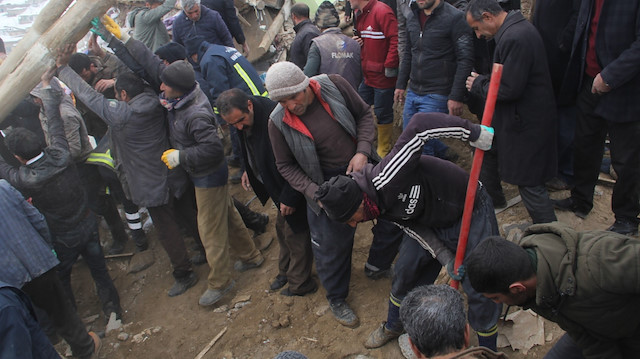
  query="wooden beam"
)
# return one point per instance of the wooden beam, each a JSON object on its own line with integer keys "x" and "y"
{"x": 276, "y": 26}
{"x": 69, "y": 29}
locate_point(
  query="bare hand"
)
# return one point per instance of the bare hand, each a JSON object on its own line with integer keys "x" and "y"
{"x": 398, "y": 96}
{"x": 104, "y": 84}
{"x": 286, "y": 210}
{"x": 94, "y": 48}
{"x": 358, "y": 40}
{"x": 244, "y": 180}
{"x": 599, "y": 86}
{"x": 470, "y": 80}
{"x": 358, "y": 161}
{"x": 64, "y": 54}
{"x": 245, "y": 49}
{"x": 455, "y": 107}
{"x": 47, "y": 76}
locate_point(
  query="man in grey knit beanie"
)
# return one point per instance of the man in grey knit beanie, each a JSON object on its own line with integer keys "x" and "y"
{"x": 285, "y": 79}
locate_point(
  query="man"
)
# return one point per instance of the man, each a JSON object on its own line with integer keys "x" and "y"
{"x": 305, "y": 32}
{"x": 524, "y": 117}
{"x": 250, "y": 115}
{"x": 424, "y": 196}
{"x": 570, "y": 278}
{"x": 138, "y": 139}
{"x": 437, "y": 59}
{"x": 197, "y": 20}
{"x": 147, "y": 23}
{"x": 29, "y": 263}
{"x": 227, "y": 9}
{"x": 333, "y": 52}
{"x": 320, "y": 128}
{"x": 377, "y": 32}
{"x": 50, "y": 178}
{"x": 435, "y": 319}
{"x": 604, "y": 75}
{"x": 196, "y": 148}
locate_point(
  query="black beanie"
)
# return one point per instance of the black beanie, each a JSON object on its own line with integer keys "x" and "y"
{"x": 340, "y": 197}
{"x": 192, "y": 44}
{"x": 172, "y": 52}
{"x": 179, "y": 76}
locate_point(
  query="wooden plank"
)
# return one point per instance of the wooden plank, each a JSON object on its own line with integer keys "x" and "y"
{"x": 276, "y": 26}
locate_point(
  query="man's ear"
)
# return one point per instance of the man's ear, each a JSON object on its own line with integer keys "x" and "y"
{"x": 414, "y": 349}
{"x": 487, "y": 16}
{"x": 517, "y": 288}
{"x": 467, "y": 332}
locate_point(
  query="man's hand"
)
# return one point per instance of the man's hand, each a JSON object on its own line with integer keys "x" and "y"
{"x": 599, "y": 86}
{"x": 94, "y": 48}
{"x": 245, "y": 49}
{"x": 470, "y": 80}
{"x": 171, "y": 158}
{"x": 104, "y": 84}
{"x": 455, "y": 107}
{"x": 485, "y": 139}
{"x": 47, "y": 76}
{"x": 244, "y": 180}
{"x": 358, "y": 40}
{"x": 358, "y": 161}
{"x": 286, "y": 210}
{"x": 100, "y": 30}
{"x": 64, "y": 54}
{"x": 114, "y": 28}
{"x": 398, "y": 96}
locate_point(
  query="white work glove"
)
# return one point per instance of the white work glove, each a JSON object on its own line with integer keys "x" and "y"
{"x": 171, "y": 158}
{"x": 485, "y": 139}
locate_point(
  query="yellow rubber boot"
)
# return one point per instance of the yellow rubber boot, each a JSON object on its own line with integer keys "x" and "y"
{"x": 384, "y": 139}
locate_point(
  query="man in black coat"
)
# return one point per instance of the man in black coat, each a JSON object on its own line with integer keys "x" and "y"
{"x": 525, "y": 116}
{"x": 606, "y": 79}
{"x": 305, "y": 32}
{"x": 250, "y": 116}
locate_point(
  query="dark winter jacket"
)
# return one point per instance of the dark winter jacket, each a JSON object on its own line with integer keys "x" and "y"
{"x": 335, "y": 53}
{"x": 378, "y": 28}
{"x": 210, "y": 26}
{"x": 227, "y": 10}
{"x": 138, "y": 134}
{"x": 271, "y": 184}
{"x": 618, "y": 53}
{"x": 588, "y": 283}
{"x": 525, "y": 117}
{"x": 440, "y": 55}
{"x": 224, "y": 68}
{"x": 305, "y": 32}
{"x": 52, "y": 180}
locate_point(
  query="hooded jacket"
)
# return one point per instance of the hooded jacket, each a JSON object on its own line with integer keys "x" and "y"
{"x": 588, "y": 283}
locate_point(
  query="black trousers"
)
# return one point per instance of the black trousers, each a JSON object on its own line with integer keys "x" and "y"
{"x": 591, "y": 132}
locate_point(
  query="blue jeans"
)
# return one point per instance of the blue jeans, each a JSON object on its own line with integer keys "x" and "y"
{"x": 415, "y": 103}
{"x": 84, "y": 240}
{"x": 565, "y": 348}
{"x": 382, "y": 101}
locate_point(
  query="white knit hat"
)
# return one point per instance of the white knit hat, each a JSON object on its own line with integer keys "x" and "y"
{"x": 285, "y": 79}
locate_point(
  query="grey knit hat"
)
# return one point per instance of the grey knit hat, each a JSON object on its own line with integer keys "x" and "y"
{"x": 285, "y": 79}
{"x": 179, "y": 76}
{"x": 327, "y": 16}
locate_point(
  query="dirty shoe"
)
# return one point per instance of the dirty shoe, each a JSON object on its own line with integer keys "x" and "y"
{"x": 181, "y": 285}
{"x": 279, "y": 282}
{"x": 241, "y": 266}
{"x": 212, "y": 296}
{"x": 380, "y": 337}
{"x": 344, "y": 314}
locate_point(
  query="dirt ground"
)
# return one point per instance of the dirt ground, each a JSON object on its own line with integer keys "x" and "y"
{"x": 267, "y": 323}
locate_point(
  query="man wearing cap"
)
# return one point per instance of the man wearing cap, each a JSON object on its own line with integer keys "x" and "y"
{"x": 321, "y": 128}
{"x": 333, "y": 52}
{"x": 198, "y": 150}
{"x": 424, "y": 196}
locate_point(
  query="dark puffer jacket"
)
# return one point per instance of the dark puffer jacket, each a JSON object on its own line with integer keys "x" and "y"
{"x": 210, "y": 26}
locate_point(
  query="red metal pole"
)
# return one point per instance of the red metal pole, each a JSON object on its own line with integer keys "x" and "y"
{"x": 478, "y": 156}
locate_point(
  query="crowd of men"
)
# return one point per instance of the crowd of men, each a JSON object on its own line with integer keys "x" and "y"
{"x": 158, "y": 106}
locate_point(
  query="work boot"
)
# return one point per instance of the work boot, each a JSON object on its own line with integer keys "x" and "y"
{"x": 181, "y": 285}
{"x": 116, "y": 248}
{"x": 568, "y": 204}
{"x": 212, "y": 296}
{"x": 241, "y": 266}
{"x": 279, "y": 282}
{"x": 199, "y": 258}
{"x": 377, "y": 274}
{"x": 626, "y": 227}
{"x": 344, "y": 314}
{"x": 140, "y": 239}
{"x": 257, "y": 222}
{"x": 384, "y": 139}
{"x": 380, "y": 337}
{"x": 310, "y": 287}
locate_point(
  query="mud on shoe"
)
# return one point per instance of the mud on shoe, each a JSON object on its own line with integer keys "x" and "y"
{"x": 344, "y": 314}
{"x": 241, "y": 266}
{"x": 181, "y": 285}
{"x": 212, "y": 296}
{"x": 380, "y": 337}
